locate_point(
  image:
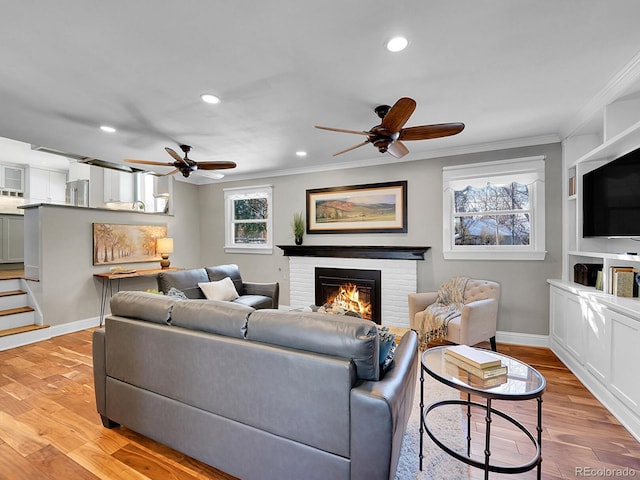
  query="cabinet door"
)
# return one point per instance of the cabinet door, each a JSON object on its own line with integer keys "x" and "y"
{"x": 557, "y": 314}
{"x": 13, "y": 178}
{"x": 14, "y": 234}
{"x": 574, "y": 320}
{"x": 625, "y": 358}
{"x": 57, "y": 186}
{"x": 598, "y": 341}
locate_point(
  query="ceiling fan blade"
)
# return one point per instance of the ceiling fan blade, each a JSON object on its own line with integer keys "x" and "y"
{"x": 173, "y": 153}
{"x": 425, "y": 132}
{"x": 170, "y": 173}
{"x": 343, "y": 130}
{"x": 397, "y": 149}
{"x": 395, "y": 119}
{"x": 147, "y": 162}
{"x": 215, "y": 165}
{"x": 351, "y": 148}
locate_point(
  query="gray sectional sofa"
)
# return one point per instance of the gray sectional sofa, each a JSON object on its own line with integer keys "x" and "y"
{"x": 252, "y": 294}
{"x": 259, "y": 394}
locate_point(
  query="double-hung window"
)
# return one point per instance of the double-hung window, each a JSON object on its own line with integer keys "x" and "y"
{"x": 494, "y": 210}
{"x": 248, "y": 219}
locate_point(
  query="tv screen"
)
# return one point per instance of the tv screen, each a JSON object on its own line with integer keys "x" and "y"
{"x": 611, "y": 198}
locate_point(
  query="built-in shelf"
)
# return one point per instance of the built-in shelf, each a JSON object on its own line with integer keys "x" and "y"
{"x": 356, "y": 251}
{"x": 617, "y": 146}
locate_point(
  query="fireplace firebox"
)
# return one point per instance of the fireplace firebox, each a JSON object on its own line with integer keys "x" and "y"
{"x": 357, "y": 290}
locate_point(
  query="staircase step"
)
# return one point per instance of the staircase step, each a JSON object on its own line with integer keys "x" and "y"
{"x": 14, "y": 311}
{"x": 11, "y": 293}
{"x": 23, "y": 329}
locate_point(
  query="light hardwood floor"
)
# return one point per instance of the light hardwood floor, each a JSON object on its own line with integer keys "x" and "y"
{"x": 49, "y": 428}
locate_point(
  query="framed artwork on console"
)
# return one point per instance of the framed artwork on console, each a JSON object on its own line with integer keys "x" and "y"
{"x": 367, "y": 208}
{"x": 115, "y": 243}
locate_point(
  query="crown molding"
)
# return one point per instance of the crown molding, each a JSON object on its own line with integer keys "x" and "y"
{"x": 618, "y": 85}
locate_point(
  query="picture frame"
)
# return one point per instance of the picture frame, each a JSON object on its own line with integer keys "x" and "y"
{"x": 115, "y": 243}
{"x": 366, "y": 208}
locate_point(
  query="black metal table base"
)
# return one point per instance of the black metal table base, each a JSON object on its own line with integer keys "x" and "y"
{"x": 535, "y": 461}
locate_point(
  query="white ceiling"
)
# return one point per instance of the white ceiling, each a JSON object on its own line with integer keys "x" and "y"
{"x": 515, "y": 72}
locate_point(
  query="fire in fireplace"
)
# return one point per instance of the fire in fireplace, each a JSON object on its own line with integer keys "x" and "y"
{"x": 356, "y": 290}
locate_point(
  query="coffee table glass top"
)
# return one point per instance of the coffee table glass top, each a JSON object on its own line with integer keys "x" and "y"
{"x": 520, "y": 383}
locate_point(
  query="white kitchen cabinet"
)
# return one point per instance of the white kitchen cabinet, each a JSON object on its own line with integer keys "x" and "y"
{"x": 11, "y": 181}
{"x": 118, "y": 186}
{"x": 46, "y": 186}
{"x": 11, "y": 238}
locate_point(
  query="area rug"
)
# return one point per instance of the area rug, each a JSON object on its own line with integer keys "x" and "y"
{"x": 448, "y": 423}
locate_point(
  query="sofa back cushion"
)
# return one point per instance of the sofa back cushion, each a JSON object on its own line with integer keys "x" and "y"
{"x": 143, "y": 306}
{"x": 224, "y": 318}
{"x": 337, "y": 335}
{"x": 218, "y": 272}
{"x": 183, "y": 280}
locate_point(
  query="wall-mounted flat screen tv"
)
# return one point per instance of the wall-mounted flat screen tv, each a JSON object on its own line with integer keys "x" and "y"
{"x": 611, "y": 198}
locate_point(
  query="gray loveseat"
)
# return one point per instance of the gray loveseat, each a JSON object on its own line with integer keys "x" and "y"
{"x": 252, "y": 294}
{"x": 259, "y": 394}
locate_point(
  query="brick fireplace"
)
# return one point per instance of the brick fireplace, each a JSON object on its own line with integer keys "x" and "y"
{"x": 397, "y": 267}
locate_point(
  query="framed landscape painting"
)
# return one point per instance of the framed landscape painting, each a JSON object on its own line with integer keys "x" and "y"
{"x": 115, "y": 243}
{"x": 368, "y": 208}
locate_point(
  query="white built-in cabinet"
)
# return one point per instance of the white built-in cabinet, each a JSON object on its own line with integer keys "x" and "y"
{"x": 596, "y": 334}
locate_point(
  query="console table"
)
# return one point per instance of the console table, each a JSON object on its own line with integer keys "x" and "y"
{"x": 522, "y": 383}
{"x": 108, "y": 277}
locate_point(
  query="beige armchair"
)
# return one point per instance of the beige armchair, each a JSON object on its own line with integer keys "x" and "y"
{"x": 479, "y": 315}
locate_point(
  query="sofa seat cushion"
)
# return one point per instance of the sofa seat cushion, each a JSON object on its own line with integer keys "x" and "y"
{"x": 255, "y": 301}
{"x": 336, "y": 335}
{"x": 213, "y": 316}
{"x": 143, "y": 306}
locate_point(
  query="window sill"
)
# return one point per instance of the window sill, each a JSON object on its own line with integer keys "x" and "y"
{"x": 494, "y": 255}
{"x": 254, "y": 250}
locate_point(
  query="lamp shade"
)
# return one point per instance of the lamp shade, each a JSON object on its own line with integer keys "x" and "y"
{"x": 164, "y": 245}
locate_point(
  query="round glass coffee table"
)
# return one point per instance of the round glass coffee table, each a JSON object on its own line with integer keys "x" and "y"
{"x": 522, "y": 382}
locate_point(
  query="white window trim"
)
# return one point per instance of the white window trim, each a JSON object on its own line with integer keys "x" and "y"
{"x": 231, "y": 194}
{"x": 529, "y": 170}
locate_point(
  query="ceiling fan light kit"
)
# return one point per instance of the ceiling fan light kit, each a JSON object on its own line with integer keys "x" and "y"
{"x": 388, "y": 136}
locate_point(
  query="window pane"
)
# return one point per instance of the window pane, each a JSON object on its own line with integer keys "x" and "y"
{"x": 475, "y": 230}
{"x": 492, "y": 198}
{"x": 514, "y": 229}
{"x": 250, "y": 209}
{"x": 254, "y": 233}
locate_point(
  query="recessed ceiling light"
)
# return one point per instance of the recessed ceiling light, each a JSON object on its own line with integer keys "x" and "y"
{"x": 397, "y": 44}
{"x": 107, "y": 128}
{"x": 208, "y": 98}
{"x": 300, "y": 153}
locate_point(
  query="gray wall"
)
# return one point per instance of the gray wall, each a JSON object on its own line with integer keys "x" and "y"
{"x": 525, "y": 294}
{"x": 67, "y": 290}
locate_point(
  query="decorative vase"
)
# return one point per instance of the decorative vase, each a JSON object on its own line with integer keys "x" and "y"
{"x": 298, "y": 240}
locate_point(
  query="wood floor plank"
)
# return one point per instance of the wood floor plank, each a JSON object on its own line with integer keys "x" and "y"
{"x": 50, "y": 430}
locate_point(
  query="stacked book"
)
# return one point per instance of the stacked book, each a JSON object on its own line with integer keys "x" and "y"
{"x": 481, "y": 364}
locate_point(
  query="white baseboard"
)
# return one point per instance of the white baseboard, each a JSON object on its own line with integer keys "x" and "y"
{"x": 528, "y": 339}
{"x": 26, "y": 338}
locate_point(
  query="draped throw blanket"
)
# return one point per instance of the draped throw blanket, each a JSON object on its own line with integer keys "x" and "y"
{"x": 436, "y": 317}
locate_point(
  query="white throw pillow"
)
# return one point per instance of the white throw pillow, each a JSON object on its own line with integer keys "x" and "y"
{"x": 223, "y": 290}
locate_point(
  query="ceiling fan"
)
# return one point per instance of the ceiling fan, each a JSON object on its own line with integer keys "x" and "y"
{"x": 388, "y": 136}
{"x": 185, "y": 165}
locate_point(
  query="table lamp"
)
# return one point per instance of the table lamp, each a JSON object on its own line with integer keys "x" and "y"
{"x": 165, "y": 247}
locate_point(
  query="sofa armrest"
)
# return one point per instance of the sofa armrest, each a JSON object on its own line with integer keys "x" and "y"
{"x": 417, "y": 303}
{"x": 478, "y": 320}
{"x": 271, "y": 290}
{"x": 380, "y": 412}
